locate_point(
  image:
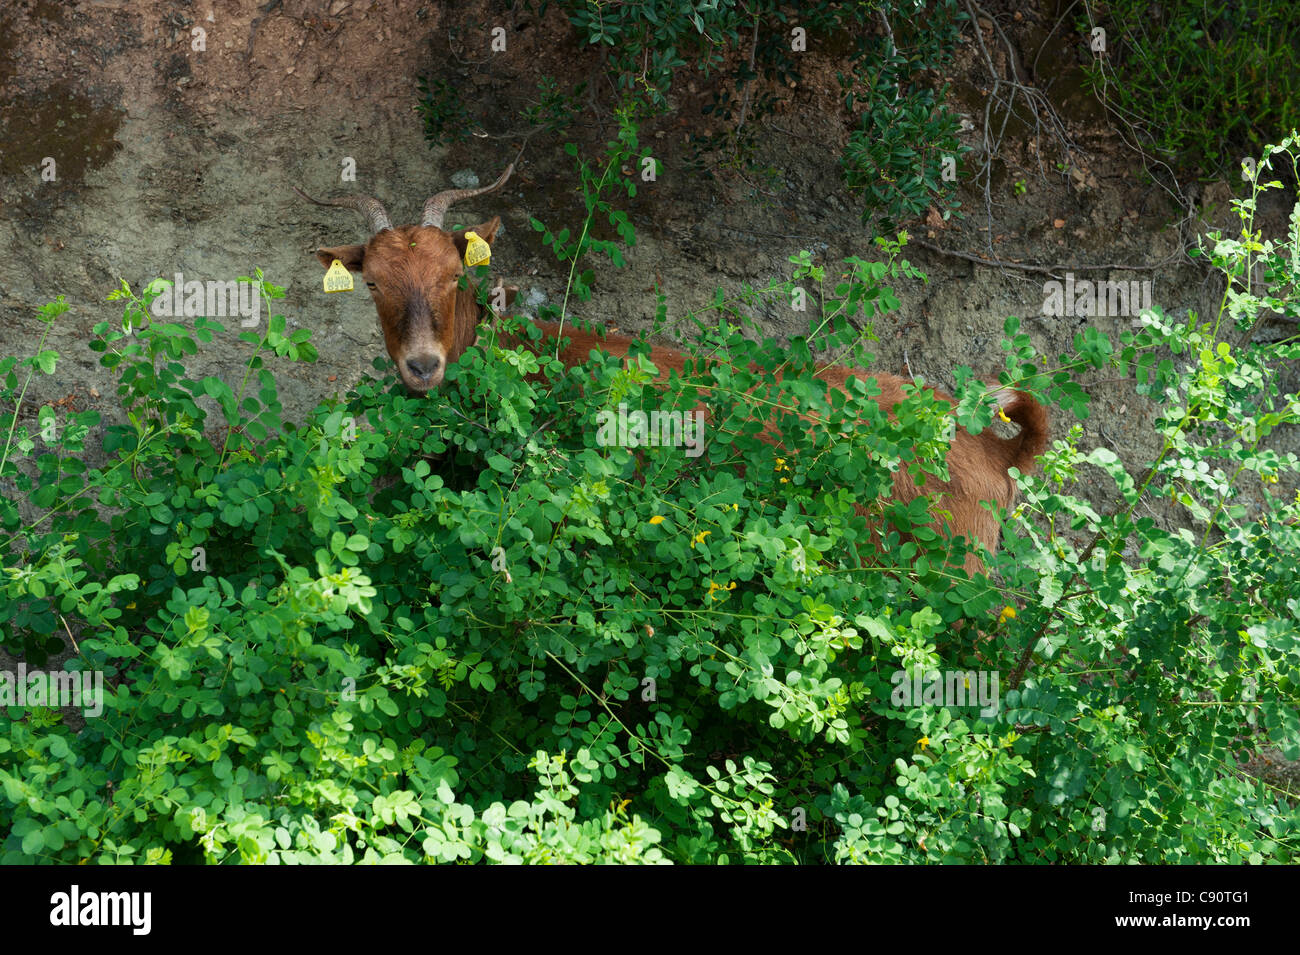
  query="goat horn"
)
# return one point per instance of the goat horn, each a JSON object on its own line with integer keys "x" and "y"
{"x": 436, "y": 207}
{"x": 370, "y": 207}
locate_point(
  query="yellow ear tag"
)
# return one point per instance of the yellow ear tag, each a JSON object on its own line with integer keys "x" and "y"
{"x": 477, "y": 252}
{"x": 337, "y": 278}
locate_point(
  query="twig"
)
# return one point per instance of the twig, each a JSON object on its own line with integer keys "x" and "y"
{"x": 1012, "y": 59}
{"x": 541, "y": 427}
{"x": 511, "y": 135}
{"x": 1041, "y": 269}
{"x": 889, "y": 31}
{"x": 70, "y": 636}
{"x": 1034, "y": 100}
{"x": 468, "y": 420}
{"x": 792, "y": 134}
{"x": 266, "y": 11}
{"x": 460, "y": 59}
{"x": 749, "y": 78}
{"x": 753, "y": 185}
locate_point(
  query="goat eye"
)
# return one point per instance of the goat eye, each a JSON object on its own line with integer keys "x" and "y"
{"x": 370, "y": 285}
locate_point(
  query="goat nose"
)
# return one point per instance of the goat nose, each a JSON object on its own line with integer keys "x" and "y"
{"x": 423, "y": 367}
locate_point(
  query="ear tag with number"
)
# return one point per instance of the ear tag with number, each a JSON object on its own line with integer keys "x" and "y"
{"x": 338, "y": 278}
{"x": 477, "y": 252}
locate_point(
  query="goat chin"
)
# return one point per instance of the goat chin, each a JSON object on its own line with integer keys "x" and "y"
{"x": 978, "y": 465}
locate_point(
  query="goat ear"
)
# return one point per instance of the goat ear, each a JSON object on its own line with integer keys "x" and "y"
{"x": 487, "y": 232}
{"x": 350, "y": 255}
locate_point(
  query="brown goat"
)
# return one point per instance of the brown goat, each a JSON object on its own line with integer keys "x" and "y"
{"x": 428, "y": 323}
{"x": 413, "y": 274}
{"x": 977, "y": 464}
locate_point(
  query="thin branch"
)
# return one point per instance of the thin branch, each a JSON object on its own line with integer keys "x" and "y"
{"x": 1041, "y": 269}
{"x": 749, "y": 78}
{"x": 889, "y": 31}
{"x": 1034, "y": 99}
{"x": 70, "y": 636}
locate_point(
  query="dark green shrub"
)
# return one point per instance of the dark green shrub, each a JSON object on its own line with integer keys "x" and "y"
{"x": 746, "y": 59}
{"x": 447, "y": 120}
{"x": 893, "y": 160}
{"x": 895, "y": 156}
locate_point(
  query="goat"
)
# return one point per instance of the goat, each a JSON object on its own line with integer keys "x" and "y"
{"x": 413, "y": 274}
{"x": 429, "y": 321}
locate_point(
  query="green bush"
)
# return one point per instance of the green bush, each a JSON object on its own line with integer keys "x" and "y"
{"x": 896, "y": 147}
{"x": 461, "y": 628}
{"x": 443, "y": 112}
{"x": 1204, "y": 82}
{"x": 894, "y": 158}
{"x": 895, "y": 155}
{"x": 901, "y": 129}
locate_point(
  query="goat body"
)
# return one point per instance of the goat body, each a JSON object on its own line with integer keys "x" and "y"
{"x": 977, "y": 464}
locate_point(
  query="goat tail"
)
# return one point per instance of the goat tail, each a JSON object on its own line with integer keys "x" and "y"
{"x": 1021, "y": 408}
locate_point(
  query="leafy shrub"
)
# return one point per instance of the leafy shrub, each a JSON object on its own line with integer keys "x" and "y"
{"x": 594, "y": 181}
{"x": 462, "y": 628}
{"x": 895, "y": 154}
{"x": 1205, "y": 83}
{"x": 897, "y": 142}
{"x": 893, "y": 160}
{"x": 446, "y": 118}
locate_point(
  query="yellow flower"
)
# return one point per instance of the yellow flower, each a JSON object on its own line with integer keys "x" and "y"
{"x": 1008, "y": 613}
{"x": 925, "y": 741}
{"x": 1270, "y": 478}
{"x": 714, "y": 588}
{"x": 657, "y": 519}
{"x": 1003, "y": 415}
{"x": 699, "y": 538}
